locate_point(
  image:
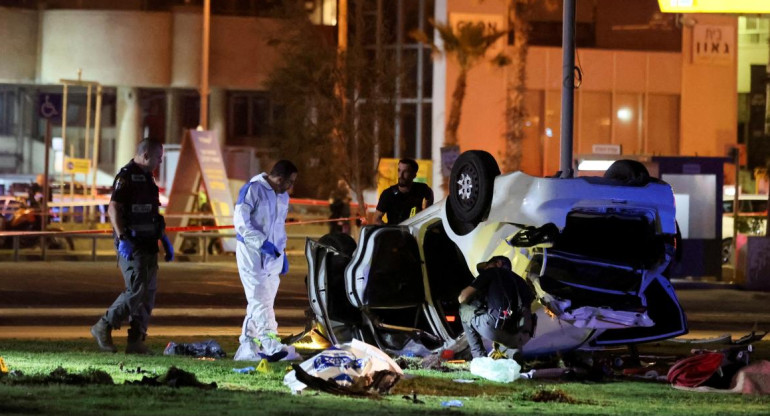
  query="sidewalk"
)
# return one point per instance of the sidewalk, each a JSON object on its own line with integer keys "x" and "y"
{"x": 41, "y": 299}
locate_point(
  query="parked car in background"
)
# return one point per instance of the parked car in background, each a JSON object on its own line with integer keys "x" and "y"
{"x": 752, "y": 220}
{"x": 594, "y": 250}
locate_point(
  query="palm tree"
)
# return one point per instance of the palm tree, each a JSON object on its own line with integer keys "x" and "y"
{"x": 519, "y": 13}
{"x": 467, "y": 44}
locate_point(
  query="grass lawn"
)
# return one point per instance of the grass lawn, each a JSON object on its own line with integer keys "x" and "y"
{"x": 264, "y": 393}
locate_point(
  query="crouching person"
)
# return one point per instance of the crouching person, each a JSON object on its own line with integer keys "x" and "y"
{"x": 137, "y": 227}
{"x": 496, "y": 306}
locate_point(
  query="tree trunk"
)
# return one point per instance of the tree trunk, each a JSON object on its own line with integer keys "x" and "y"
{"x": 458, "y": 95}
{"x": 516, "y": 112}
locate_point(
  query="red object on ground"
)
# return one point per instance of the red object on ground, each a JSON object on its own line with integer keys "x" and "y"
{"x": 447, "y": 354}
{"x": 694, "y": 371}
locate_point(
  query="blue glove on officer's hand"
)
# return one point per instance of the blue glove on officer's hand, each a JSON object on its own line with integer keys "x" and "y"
{"x": 168, "y": 247}
{"x": 285, "y": 268}
{"x": 269, "y": 249}
{"x": 126, "y": 249}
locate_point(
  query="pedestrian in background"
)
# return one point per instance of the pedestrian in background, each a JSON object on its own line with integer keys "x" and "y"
{"x": 259, "y": 219}
{"x": 339, "y": 206}
{"x": 137, "y": 226}
{"x": 406, "y": 198}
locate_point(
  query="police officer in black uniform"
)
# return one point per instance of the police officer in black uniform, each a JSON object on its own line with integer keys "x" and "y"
{"x": 496, "y": 306}
{"x": 137, "y": 227}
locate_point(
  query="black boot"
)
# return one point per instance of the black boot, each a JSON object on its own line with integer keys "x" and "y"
{"x": 136, "y": 342}
{"x": 102, "y": 333}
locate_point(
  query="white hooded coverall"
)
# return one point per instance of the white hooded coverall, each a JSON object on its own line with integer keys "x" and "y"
{"x": 260, "y": 215}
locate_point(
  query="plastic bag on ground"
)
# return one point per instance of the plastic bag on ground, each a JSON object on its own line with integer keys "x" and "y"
{"x": 503, "y": 371}
{"x": 413, "y": 349}
{"x": 208, "y": 348}
{"x": 343, "y": 363}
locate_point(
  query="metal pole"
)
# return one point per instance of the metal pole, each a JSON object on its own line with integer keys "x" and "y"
{"x": 567, "y": 87}
{"x": 204, "y": 113}
{"x": 97, "y": 136}
{"x": 46, "y": 185}
{"x": 63, "y": 141}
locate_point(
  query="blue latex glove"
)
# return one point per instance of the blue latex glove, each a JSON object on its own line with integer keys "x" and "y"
{"x": 126, "y": 249}
{"x": 285, "y": 268}
{"x": 269, "y": 249}
{"x": 168, "y": 247}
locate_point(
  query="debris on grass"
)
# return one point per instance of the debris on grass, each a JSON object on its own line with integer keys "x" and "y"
{"x": 60, "y": 376}
{"x": 3, "y": 367}
{"x": 413, "y": 398}
{"x": 209, "y": 348}
{"x": 409, "y": 363}
{"x": 452, "y": 403}
{"x": 553, "y": 395}
{"x": 137, "y": 370}
{"x": 174, "y": 377}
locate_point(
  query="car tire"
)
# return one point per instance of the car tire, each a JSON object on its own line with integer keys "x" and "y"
{"x": 629, "y": 172}
{"x": 471, "y": 186}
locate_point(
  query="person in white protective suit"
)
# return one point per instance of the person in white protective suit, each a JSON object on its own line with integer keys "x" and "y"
{"x": 259, "y": 219}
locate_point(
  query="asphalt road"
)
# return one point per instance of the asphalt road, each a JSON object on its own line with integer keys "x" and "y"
{"x": 62, "y": 299}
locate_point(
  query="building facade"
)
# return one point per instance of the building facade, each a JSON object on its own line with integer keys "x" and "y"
{"x": 645, "y": 86}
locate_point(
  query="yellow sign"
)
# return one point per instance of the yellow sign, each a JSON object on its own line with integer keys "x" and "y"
{"x": 714, "y": 6}
{"x": 74, "y": 165}
{"x": 387, "y": 173}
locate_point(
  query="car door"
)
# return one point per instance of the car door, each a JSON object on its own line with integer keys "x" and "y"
{"x": 386, "y": 271}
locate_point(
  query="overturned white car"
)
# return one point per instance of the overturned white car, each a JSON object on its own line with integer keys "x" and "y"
{"x": 594, "y": 250}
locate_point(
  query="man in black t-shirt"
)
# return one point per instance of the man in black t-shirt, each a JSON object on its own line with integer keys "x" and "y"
{"x": 496, "y": 306}
{"x": 405, "y": 199}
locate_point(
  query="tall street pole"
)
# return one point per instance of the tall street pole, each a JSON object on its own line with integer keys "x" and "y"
{"x": 567, "y": 87}
{"x": 204, "y": 90}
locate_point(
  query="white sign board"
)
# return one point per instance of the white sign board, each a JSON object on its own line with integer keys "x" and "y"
{"x": 713, "y": 44}
{"x": 606, "y": 149}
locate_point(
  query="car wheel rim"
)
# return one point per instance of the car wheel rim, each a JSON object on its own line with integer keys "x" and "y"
{"x": 467, "y": 187}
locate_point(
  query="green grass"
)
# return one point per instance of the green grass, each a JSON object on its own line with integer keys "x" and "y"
{"x": 259, "y": 393}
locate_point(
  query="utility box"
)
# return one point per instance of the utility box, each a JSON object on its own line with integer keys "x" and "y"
{"x": 697, "y": 183}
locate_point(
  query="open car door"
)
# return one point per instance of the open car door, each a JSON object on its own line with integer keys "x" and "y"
{"x": 385, "y": 282}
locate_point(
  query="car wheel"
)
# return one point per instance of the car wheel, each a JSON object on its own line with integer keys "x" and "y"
{"x": 471, "y": 186}
{"x": 727, "y": 251}
{"x": 630, "y": 172}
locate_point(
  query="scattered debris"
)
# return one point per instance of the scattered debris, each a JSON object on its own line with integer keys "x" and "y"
{"x": 244, "y": 370}
{"x": 452, "y": 403}
{"x": 138, "y": 370}
{"x": 174, "y": 377}
{"x": 413, "y": 398}
{"x": 379, "y": 383}
{"x": 503, "y": 370}
{"x": 209, "y": 348}
{"x": 60, "y": 376}
{"x": 343, "y": 365}
{"x": 463, "y": 381}
{"x": 409, "y": 363}
{"x": 3, "y": 367}
{"x": 412, "y": 349}
{"x": 550, "y": 396}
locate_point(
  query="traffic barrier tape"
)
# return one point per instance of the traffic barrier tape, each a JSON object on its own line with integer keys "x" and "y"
{"x": 168, "y": 229}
